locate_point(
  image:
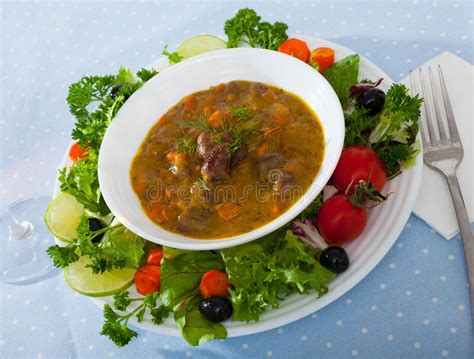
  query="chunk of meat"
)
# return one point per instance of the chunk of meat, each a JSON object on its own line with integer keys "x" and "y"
{"x": 257, "y": 89}
{"x": 216, "y": 166}
{"x": 193, "y": 219}
{"x": 238, "y": 156}
{"x": 205, "y": 145}
{"x": 283, "y": 184}
{"x": 231, "y": 91}
{"x": 268, "y": 164}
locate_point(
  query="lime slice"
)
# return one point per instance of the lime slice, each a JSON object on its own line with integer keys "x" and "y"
{"x": 63, "y": 215}
{"x": 81, "y": 279}
{"x": 200, "y": 44}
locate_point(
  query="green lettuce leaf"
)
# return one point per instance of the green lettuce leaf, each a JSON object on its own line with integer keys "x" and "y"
{"x": 180, "y": 276}
{"x": 194, "y": 328}
{"x": 122, "y": 243}
{"x": 265, "y": 271}
{"x": 342, "y": 76}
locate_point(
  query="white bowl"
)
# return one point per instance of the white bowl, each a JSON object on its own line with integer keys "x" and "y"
{"x": 142, "y": 110}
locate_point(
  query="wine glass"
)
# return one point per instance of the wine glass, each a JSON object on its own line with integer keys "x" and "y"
{"x": 24, "y": 239}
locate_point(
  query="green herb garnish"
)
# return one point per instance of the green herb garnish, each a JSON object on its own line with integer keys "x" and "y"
{"x": 173, "y": 57}
{"x": 187, "y": 144}
{"x": 246, "y": 27}
{"x": 115, "y": 325}
{"x": 202, "y": 184}
{"x": 241, "y": 113}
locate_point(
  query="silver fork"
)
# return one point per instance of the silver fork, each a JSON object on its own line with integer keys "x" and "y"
{"x": 443, "y": 154}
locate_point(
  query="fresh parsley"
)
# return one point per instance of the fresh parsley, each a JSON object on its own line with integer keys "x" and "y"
{"x": 246, "y": 27}
{"x": 173, "y": 57}
{"x": 115, "y": 325}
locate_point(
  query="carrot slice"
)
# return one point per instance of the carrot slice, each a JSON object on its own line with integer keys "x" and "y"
{"x": 296, "y": 48}
{"x": 280, "y": 109}
{"x": 322, "y": 58}
{"x": 171, "y": 156}
{"x": 219, "y": 88}
{"x": 207, "y": 110}
{"x": 279, "y": 120}
{"x": 189, "y": 100}
{"x": 228, "y": 210}
{"x": 262, "y": 149}
{"x": 215, "y": 120}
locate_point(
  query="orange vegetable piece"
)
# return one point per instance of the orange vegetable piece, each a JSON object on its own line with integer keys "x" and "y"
{"x": 262, "y": 149}
{"x": 296, "y": 48}
{"x": 147, "y": 279}
{"x": 76, "y": 152}
{"x": 322, "y": 58}
{"x": 207, "y": 110}
{"x": 171, "y": 156}
{"x": 214, "y": 283}
{"x": 228, "y": 210}
{"x": 189, "y": 100}
{"x": 215, "y": 120}
{"x": 280, "y": 110}
{"x": 219, "y": 88}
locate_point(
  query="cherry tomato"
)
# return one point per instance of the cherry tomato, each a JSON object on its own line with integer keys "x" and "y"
{"x": 359, "y": 163}
{"x": 76, "y": 152}
{"x": 296, "y": 48}
{"x": 339, "y": 221}
{"x": 155, "y": 255}
{"x": 214, "y": 283}
{"x": 147, "y": 279}
{"x": 323, "y": 57}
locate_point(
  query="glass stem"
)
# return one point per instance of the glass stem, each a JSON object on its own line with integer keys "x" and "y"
{"x": 18, "y": 231}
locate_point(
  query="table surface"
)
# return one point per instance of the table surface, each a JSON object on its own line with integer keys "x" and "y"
{"x": 413, "y": 304}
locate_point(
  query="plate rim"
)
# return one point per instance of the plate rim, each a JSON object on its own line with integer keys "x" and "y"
{"x": 392, "y": 230}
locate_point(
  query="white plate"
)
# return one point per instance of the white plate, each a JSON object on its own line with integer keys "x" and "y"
{"x": 135, "y": 118}
{"x": 384, "y": 226}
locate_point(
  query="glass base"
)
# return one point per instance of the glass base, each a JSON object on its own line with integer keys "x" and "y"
{"x": 23, "y": 256}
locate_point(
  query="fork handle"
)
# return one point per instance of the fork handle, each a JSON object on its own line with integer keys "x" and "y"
{"x": 465, "y": 230}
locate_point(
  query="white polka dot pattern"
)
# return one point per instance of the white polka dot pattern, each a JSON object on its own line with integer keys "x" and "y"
{"x": 413, "y": 304}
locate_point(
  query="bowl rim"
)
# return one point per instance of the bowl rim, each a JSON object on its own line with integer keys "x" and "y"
{"x": 190, "y": 243}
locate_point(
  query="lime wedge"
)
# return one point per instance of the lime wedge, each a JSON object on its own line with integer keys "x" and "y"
{"x": 62, "y": 217}
{"x": 200, "y": 44}
{"x": 81, "y": 279}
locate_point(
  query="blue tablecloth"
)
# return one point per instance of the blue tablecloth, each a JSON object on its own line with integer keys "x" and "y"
{"x": 413, "y": 304}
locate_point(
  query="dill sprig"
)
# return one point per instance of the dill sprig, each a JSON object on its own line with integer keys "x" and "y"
{"x": 241, "y": 113}
{"x": 187, "y": 144}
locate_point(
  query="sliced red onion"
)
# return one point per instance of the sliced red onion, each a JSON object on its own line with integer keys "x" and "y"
{"x": 308, "y": 233}
{"x": 328, "y": 192}
{"x": 363, "y": 87}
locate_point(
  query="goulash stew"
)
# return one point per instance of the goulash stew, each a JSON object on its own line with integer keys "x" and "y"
{"x": 227, "y": 160}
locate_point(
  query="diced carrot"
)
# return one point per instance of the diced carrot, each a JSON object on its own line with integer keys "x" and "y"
{"x": 180, "y": 159}
{"x": 228, "y": 210}
{"x": 159, "y": 213}
{"x": 163, "y": 119}
{"x": 171, "y": 156}
{"x": 140, "y": 184}
{"x": 280, "y": 110}
{"x": 189, "y": 100}
{"x": 270, "y": 94}
{"x": 262, "y": 149}
{"x": 279, "y": 120}
{"x": 219, "y": 88}
{"x": 215, "y": 120}
{"x": 207, "y": 110}
{"x": 275, "y": 208}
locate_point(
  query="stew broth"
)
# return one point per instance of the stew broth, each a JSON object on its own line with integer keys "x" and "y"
{"x": 227, "y": 160}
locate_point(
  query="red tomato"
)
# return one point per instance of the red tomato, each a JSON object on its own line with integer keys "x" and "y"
{"x": 214, "y": 283}
{"x": 359, "y": 163}
{"x": 147, "y": 279}
{"x": 76, "y": 152}
{"x": 296, "y": 48}
{"x": 323, "y": 57}
{"x": 155, "y": 255}
{"x": 339, "y": 221}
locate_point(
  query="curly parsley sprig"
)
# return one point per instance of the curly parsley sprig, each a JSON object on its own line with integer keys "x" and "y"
{"x": 115, "y": 325}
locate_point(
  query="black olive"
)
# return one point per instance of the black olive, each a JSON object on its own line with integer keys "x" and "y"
{"x": 372, "y": 100}
{"x": 115, "y": 90}
{"x": 95, "y": 225}
{"x": 216, "y": 309}
{"x": 335, "y": 259}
